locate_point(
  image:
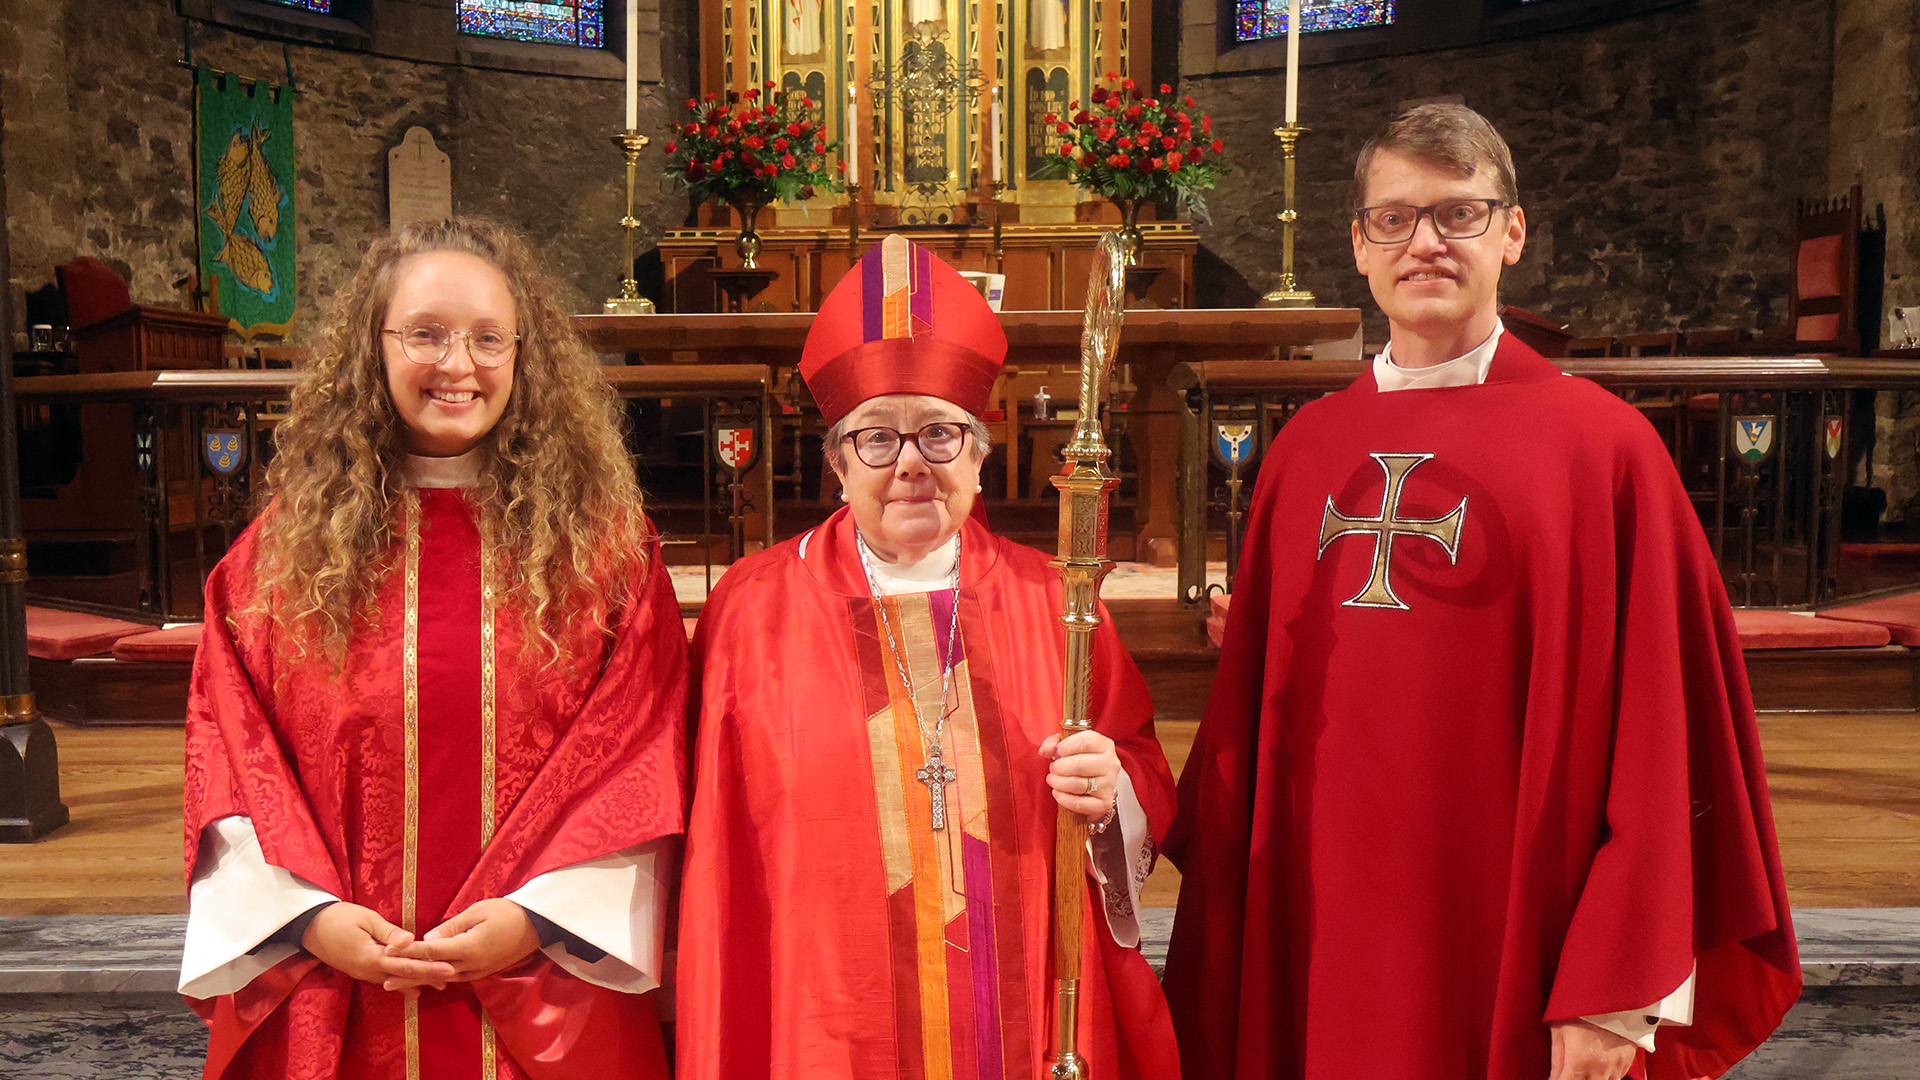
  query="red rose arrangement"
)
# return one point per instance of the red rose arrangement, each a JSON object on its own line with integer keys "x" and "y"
{"x": 755, "y": 146}
{"x": 1127, "y": 146}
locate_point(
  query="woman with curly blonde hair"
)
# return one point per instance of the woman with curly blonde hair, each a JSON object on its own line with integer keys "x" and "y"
{"x": 434, "y": 749}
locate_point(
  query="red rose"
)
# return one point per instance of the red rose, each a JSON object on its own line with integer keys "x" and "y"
{"x": 1165, "y": 89}
{"x": 1125, "y": 84}
{"x": 1173, "y": 161}
{"x": 1099, "y": 95}
{"x": 1206, "y": 124}
{"x": 1081, "y": 117}
{"x": 709, "y": 97}
{"x": 1126, "y": 142}
{"x": 787, "y": 161}
{"x": 1169, "y": 142}
{"x": 1150, "y": 129}
{"x": 695, "y": 170}
{"x": 1218, "y": 146}
{"x": 672, "y": 146}
{"x": 1063, "y": 128}
{"x": 1112, "y": 75}
{"x": 1154, "y": 164}
{"x": 1194, "y": 154}
{"x": 1133, "y": 113}
{"x": 779, "y": 144}
{"x": 768, "y": 84}
{"x": 1051, "y": 119}
{"x": 1151, "y": 103}
{"x": 806, "y": 102}
{"x": 796, "y": 130}
{"x": 1188, "y": 101}
{"x": 841, "y": 165}
{"x": 692, "y": 104}
{"x": 819, "y": 147}
{"x": 1066, "y": 149}
{"x": 1074, "y": 104}
{"x": 754, "y": 142}
{"x": 749, "y": 157}
{"x": 1118, "y": 161}
{"x": 734, "y": 126}
{"x": 712, "y": 132}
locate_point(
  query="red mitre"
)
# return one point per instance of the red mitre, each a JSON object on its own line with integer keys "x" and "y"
{"x": 903, "y": 322}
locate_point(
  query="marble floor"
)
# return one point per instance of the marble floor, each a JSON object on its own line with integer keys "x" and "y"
{"x": 84, "y": 996}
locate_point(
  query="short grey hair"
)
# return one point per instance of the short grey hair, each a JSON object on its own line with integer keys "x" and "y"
{"x": 982, "y": 440}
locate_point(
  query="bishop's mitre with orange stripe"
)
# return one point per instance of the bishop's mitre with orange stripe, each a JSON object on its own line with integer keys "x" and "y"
{"x": 903, "y": 322}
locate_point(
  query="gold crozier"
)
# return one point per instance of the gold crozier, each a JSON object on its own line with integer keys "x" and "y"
{"x": 1443, "y": 530}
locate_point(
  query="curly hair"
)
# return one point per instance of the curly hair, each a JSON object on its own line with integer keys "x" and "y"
{"x": 557, "y": 499}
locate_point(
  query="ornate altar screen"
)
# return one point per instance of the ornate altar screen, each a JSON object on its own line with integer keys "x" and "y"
{"x": 941, "y": 102}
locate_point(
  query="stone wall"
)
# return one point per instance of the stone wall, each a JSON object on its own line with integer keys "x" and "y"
{"x": 98, "y": 145}
{"x": 1658, "y": 157}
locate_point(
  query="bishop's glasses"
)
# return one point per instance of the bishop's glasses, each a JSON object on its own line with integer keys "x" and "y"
{"x": 879, "y": 447}
{"x": 428, "y": 343}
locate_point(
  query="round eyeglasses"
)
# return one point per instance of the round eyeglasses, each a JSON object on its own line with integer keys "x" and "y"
{"x": 1453, "y": 219}
{"x": 428, "y": 343}
{"x": 879, "y": 447}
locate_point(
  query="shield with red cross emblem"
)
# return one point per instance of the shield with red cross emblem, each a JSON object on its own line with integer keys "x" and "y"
{"x": 734, "y": 446}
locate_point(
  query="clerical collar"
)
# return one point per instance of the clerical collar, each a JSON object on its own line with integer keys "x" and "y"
{"x": 924, "y": 575}
{"x": 1468, "y": 370}
{"x": 462, "y": 470}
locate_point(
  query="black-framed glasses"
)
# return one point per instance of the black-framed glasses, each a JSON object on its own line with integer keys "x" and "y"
{"x": 428, "y": 343}
{"x": 1453, "y": 219}
{"x": 938, "y": 442}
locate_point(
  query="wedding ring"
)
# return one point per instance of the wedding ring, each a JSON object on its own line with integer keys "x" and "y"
{"x": 1093, "y": 785}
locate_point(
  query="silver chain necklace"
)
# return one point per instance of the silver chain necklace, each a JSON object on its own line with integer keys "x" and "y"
{"x": 936, "y": 773}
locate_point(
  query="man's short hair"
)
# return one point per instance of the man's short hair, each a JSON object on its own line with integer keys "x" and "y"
{"x": 1453, "y": 137}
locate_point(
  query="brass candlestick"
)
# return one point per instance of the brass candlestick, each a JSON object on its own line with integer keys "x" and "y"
{"x": 1289, "y": 294}
{"x": 629, "y": 302}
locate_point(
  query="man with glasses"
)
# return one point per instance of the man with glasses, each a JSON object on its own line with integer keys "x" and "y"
{"x": 1478, "y": 793}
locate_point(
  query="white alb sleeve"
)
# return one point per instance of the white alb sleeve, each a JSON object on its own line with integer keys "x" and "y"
{"x": 238, "y": 900}
{"x": 617, "y": 903}
{"x": 1639, "y": 1025}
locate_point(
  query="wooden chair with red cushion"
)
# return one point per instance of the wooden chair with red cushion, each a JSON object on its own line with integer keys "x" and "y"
{"x": 1823, "y": 305}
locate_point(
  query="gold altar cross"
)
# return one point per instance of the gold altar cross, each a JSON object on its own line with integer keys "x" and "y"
{"x": 1443, "y": 530}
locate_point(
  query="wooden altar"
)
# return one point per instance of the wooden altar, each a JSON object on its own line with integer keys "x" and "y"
{"x": 1046, "y": 265}
{"x": 1043, "y": 347}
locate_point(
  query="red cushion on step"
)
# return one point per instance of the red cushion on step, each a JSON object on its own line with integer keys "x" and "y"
{"x": 1899, "y": 615}
{"x": 176, "y": 644}
{"x": 1787, "y": 630}
{"x": 66, "y": 635}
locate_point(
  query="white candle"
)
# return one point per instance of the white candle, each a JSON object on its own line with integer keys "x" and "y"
{"x": 633, "y": 65}
{"x": 853, "y": 135}
{"x": 998, "y": 173}
{"x": 1293, "y": 60}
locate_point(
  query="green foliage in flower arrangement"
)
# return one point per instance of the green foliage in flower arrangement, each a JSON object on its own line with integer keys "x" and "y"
{"x": 1126, "y": 145}
{"x": 760, "y": 145}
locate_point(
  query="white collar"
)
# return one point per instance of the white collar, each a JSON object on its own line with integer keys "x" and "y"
{"x": 459, "y": 471}
{"x": 930, "y": 574}
{"x": 1468, "y": 370}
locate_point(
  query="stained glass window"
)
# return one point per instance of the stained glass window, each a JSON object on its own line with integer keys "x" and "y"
{"x": 322, "y": 6}
{"x": 1258, "y": 19}
{"x": 570, "y": 22}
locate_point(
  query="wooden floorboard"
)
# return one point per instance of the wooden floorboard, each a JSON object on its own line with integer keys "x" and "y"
{"x": 1846, "y": 797}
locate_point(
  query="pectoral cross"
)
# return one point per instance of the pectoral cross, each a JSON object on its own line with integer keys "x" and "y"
{"x": 1444, "y": 530}
{"x": 936, "y": 774}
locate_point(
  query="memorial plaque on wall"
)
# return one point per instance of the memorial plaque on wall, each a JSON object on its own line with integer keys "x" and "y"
{"x": 419, "y": 180}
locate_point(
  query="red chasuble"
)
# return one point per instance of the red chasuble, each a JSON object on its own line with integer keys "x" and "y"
{"x": 444, "y": 766}
{"x": 1494, "y": 768}
{"x": 827, "y": 930}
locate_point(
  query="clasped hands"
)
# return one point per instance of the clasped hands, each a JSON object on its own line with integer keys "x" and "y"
{"x": 490, "y": 936}
{"x": 1075, "y": 759}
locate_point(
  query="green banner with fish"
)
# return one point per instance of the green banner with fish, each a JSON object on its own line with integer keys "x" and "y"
{"x": 246, "y": 198}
